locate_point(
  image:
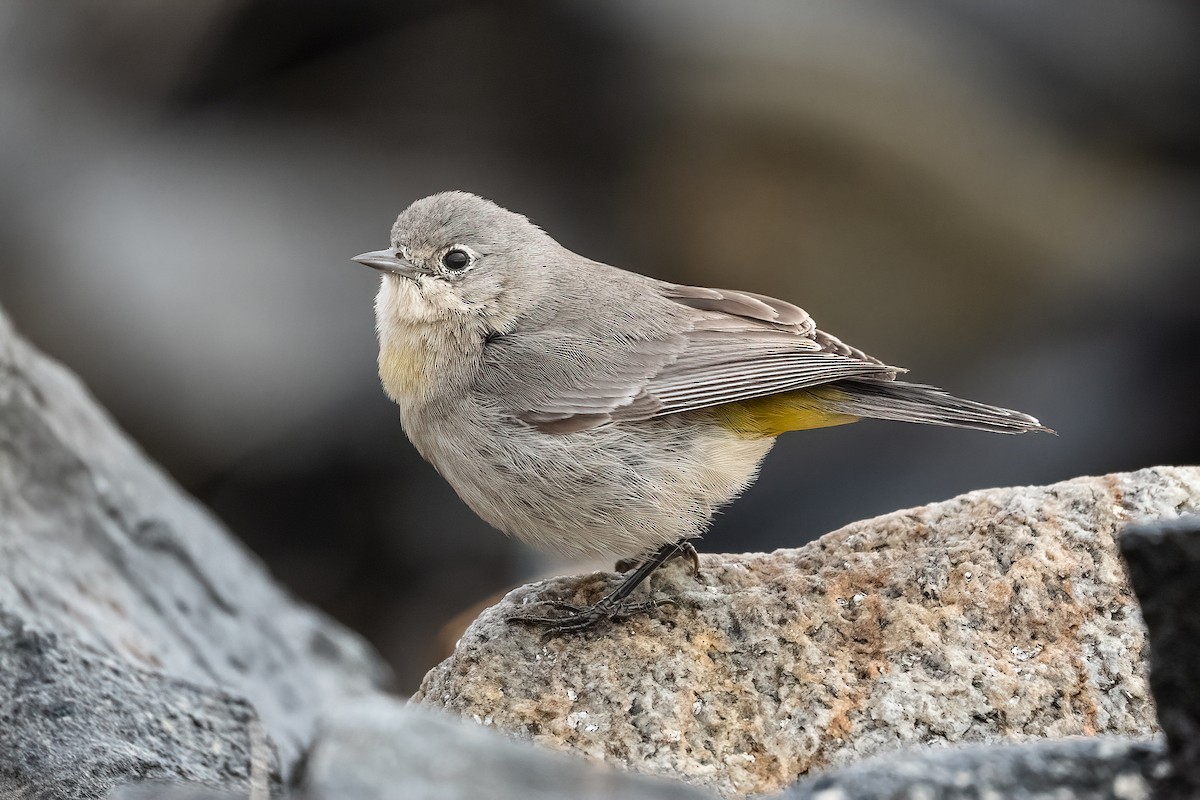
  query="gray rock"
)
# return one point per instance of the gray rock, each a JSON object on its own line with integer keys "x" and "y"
{"x": 1164, "y": 568}
{"x": 999, "y": 615}
{"x": 383, "y": 749}
{"x": 156, "y": 790}
{"x": 74, "y": 723}
{"x": 98, "y": 546}
{"x": 1095, "y": 768}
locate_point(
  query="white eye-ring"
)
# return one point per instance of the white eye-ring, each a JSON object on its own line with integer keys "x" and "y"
{"x": 457, "y": 258}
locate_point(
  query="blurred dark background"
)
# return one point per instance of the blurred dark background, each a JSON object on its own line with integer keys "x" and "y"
{"x": 1002, "y": 196}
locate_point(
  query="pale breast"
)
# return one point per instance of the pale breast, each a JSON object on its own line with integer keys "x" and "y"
{"x": 426, "y": 344}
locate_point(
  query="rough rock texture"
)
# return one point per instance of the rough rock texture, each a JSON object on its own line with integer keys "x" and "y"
{"x": 1164, "y": 567}
{"x": 1163, "y": 560}
{"x": 158, "y": 790}
{"x": 1000, "y": 614}
{"x": 1077, "y": 768}
{"x": 100, "y": 548}
{"x": 384, "y": 750}
{"x": 73, "y": 721}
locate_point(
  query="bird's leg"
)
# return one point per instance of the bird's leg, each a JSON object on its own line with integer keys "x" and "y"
{"x": 610, "y": 606}
{"x": 683, "y": 548}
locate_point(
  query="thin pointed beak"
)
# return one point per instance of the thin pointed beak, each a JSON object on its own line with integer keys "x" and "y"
{"x": 387, "y": 261}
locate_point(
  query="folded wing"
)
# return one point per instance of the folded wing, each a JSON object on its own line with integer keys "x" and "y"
{"x": 722, "y": 346}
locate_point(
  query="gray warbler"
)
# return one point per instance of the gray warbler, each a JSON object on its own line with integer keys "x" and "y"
{"x": 591, "y": 410}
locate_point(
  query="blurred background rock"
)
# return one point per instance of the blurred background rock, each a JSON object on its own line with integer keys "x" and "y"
{"x": 1002, "y": 196}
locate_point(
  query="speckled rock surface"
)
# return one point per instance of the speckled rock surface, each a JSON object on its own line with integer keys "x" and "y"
{"x": 75, "y": 724}
{"x": 1000, "y": 614}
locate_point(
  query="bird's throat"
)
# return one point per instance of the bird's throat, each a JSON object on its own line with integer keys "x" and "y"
{"x": 424, "y": 340}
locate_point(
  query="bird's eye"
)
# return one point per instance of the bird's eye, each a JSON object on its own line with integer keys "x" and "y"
{"x": 456, "y": 259}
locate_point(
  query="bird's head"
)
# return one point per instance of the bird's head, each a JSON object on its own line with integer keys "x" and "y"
{"x": 458, "y": 258}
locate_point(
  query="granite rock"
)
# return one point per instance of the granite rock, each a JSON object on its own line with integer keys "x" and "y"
{"x": 102, "y": 555}
{"x": 999, "y": 615}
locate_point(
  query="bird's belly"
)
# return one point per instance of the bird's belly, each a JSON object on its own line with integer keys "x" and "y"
{"x": 624, "y": 489}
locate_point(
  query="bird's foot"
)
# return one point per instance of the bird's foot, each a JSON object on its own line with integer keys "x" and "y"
{"x": 613, "y": 605}
{"x": 579, "y": 618}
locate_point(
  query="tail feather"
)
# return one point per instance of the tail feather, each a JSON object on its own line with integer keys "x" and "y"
{"x": 913, "y": 402}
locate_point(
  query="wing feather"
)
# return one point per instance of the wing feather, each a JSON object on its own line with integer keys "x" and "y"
{"x": 707, "y": 347}
{"x": 747, "y": 305}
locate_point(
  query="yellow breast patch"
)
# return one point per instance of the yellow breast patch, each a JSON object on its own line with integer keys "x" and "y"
{"x": 404, "y": 368}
